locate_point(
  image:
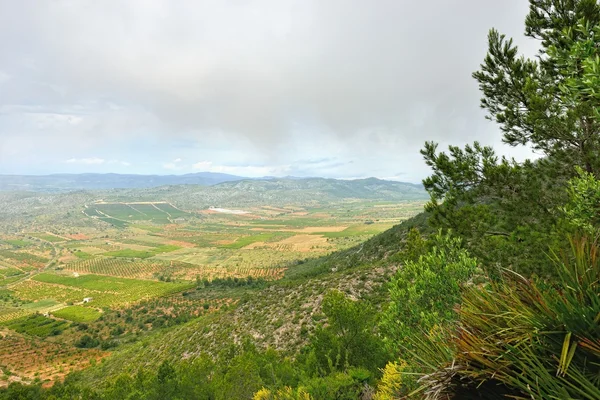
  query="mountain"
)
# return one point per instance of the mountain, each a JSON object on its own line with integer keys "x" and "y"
{"x": 277, "y": 191}
{"x": 89, "y": 181}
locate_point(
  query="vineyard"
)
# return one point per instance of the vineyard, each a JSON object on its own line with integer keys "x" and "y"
{"x": 103, "y": 290}
{"x": 144, "y": 269}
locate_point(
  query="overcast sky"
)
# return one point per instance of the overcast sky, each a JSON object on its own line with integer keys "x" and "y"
{"x": 334, "y": 88}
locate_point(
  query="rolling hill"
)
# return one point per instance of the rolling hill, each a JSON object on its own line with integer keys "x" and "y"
{"x": 307, "y": 191}
{"x": 69, "y": 182}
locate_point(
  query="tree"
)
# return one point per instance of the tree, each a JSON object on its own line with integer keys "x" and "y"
{"x": 348, "y": 340}
{"x": 583, "y": 209}
{"x": 503, "y": 208}
{"x": 550, "y": 103}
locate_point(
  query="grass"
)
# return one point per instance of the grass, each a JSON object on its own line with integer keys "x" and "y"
{"x": 300, "y": 222}
{"x": 47, "y": 237}
{"x": 165, "y": 248}
{"x": 7, "y": 281}
{"x": 357, "y": 230}
{"x": 172, "y": 211}
{"x": 246, "y": 240}
{"x": 130, "y": 253}
{"x": 39, "y": 305}
{"x": 78, "y": 314}
{"x": 17, "y": 242}
{"x": 149, "y": 228}
{"x": 115, "y": 222}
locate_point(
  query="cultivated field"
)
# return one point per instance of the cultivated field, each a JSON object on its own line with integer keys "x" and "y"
{"x": 69, "y": 295}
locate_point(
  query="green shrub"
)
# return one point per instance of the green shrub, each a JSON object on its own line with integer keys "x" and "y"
{"x": 424, "y": 292}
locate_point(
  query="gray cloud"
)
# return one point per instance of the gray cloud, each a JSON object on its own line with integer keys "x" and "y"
{"x": 288, "y": 80}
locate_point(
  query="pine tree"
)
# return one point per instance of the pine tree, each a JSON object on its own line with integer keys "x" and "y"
{"x": 508, "y": 211}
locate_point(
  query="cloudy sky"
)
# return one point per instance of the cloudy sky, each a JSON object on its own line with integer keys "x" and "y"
{"x": 334, "y": 88}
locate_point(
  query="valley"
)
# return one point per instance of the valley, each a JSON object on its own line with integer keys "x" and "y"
{"x": 115, "y": 269}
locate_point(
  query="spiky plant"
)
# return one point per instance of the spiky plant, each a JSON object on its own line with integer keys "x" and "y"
{"x": 534, "y": 339}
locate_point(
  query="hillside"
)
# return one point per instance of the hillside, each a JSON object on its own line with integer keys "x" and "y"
{"x": 70, "y": 182}
{"x": 281, "y": 316}
{"x": 306, "y": 192}
{"x": 19, "y": 206}
{"x": 378, "y": 250}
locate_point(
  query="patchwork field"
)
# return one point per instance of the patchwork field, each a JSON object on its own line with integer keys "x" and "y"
{"x": 141, "y": 266}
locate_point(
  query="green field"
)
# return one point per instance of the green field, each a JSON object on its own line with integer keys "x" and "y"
{"x": 104, "y": 290}
{"x": 37, "y": 325}
{"x": 83, "y": 255}
{"x": 129, "y": 253}
{"x": 16, "y": 242}
{"x": 47, "y": 237}
{"x": 120, "y": 214}
{"x": 244, "y": 241}
{"x": 78, "y": 314}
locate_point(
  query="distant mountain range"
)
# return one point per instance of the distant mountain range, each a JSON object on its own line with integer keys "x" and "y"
{"x": 68, "y": 182}
{"x": 275, "y": 191}
{"x": 229, "y": 186}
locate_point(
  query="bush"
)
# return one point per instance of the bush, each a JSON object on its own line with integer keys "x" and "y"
{"x": 424, "y": 292}
{"x": 87, "y": 342}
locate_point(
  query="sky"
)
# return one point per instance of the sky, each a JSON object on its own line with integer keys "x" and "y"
{"x": 335, "y": 88}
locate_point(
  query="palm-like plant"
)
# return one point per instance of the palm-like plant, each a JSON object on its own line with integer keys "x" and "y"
{"x": 527, "y": 338}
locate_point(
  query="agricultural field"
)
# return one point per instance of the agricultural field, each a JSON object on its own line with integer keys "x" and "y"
{"x": 115, "y": 270}
{"x": 121, "y": 214}
{"x": 24, "y": 358}
{"x": 78, "y": 314}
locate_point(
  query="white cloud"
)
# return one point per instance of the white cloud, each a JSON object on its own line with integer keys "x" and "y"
{"x": 171, "y": 166}
{"x": 251, "y": 86}
{"x": 87, "y": 161}
{"x": 4, "y": 77}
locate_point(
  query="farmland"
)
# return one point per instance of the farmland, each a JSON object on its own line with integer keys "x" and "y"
{"x": 78, "y": 314}
{"x": 25, "y": 358}
{"x": 110, "y": 271}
